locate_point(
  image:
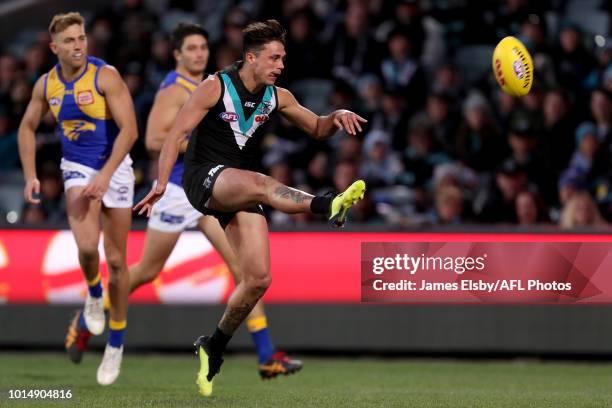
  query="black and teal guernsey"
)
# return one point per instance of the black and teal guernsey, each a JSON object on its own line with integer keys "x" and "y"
{"x": 228, "y": 133}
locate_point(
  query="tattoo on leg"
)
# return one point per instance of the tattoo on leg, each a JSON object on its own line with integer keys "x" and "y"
{"x": 291, "y": 194}
{"x": 233, "y": 317}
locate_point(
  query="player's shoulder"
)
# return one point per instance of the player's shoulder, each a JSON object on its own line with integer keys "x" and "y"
{"x": 39, "y": 86}
{"x": 211, "y": 83}
{"x": 171, "y": 94}
{"x": 108, "y": 77}
{"x": 98, "y": 62}
{"x": 284, "y": 96}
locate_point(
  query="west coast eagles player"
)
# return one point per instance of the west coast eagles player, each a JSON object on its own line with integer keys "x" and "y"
{"x": 96, "y": 122}
{"x": 173, "y": 213}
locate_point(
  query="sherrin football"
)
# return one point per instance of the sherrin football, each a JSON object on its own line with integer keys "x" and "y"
{"x": 513, "y": 67}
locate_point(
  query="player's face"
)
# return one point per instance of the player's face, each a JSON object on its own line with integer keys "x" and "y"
{"x": 70, "y": 46}
{"x": 194, "y": 54}
{"x": 269, "y": 63}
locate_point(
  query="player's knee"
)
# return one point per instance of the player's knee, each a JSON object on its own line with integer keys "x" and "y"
{"x": 88, "y": 253}
{"x": 258, "y": 282}
{"x": 262, "y": 185}
{"x": 116, "y": 263}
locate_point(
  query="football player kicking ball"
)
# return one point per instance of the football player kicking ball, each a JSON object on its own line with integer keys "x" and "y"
{"x": 173, "y": 213}
{"x": 228, "y": 109}
{"x": 96, "y": 121}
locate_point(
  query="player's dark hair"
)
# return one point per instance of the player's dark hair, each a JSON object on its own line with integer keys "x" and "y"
{"x": 183, "y": 30}
{"x": 258, "y": 34}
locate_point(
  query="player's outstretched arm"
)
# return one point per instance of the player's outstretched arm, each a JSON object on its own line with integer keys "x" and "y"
{"x": 197, "y": 106}
{"x": 122, "y": 110}
{"x": 168, "y": 103}
{"x": 319, "y": 127}
{"x": 27, "y": 139}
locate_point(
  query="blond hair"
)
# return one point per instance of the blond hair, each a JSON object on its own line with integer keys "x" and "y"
{"x": 568, "y": 214}
{"x": 60, "y": 22}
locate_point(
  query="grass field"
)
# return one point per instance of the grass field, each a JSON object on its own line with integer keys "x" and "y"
{"x": 168, "y": 381}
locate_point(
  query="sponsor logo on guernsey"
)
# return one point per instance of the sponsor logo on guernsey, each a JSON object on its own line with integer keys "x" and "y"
{"x": 74, "y": 128}
{"x": 261, "y": 118}
{"x": 85, "y": 98}
{"x": 249, "y": 104}
{"x": 229, "y": 116}
{"x": 54, "y": 101}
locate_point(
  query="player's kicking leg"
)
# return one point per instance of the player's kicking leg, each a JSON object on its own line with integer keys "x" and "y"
{"x": 271, "y": 361}
{"x": 84, "y": 220}
{"x": 116, "y": 225}
{"x": 237, "y": 189}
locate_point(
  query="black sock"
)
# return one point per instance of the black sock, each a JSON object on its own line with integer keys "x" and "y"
{"x": 218, "y": 341}
{"x": 321, "y": 204}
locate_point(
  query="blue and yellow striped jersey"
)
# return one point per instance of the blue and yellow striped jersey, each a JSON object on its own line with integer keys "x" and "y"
{"x": 84, "y": 120}
{"x": 173, "y": 77}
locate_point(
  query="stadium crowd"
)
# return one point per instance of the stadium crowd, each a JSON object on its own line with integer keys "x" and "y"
{"x": 443, "y": 145}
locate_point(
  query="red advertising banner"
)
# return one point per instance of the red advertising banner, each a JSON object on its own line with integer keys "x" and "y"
{"x": 314, "y": 267}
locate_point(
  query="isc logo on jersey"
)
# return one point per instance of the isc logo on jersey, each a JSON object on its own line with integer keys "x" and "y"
{"x": 229, "y": 116}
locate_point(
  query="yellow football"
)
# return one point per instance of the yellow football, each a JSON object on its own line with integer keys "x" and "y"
{"x": 513, "y": 67}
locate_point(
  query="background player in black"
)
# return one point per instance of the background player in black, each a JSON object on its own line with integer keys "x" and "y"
{"x": 229, "y": 191}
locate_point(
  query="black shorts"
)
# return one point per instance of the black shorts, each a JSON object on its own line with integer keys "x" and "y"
{"x": 198, "y": 183}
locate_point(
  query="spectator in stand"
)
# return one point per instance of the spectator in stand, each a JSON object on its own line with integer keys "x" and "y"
{"x": 479, "y": 143}
{"x": 449, "y": 206}
{"x": 392, "y": 118}
{"x": 9, "y": 155}
{"x": 524, "y": 151}
{"x": 442, "y": 118}
{"x": 530, "y": 209}
{"x": 380, "y": 166}
{"x": 447, "y": 81}
{"x": 496, "y": 203}
{"x": 589, "y": 162}
{"x": 354, "y": 49}
{"x": 407, "y": 16}
{"x": 402, "y": 72}
{"x": 308, "y": 57}
{"x": 580, "y": 211}
{"x": 317, "y": 173}
{"x": 8, "y": 73}
{"x": 601, "y": 110}
{"x": 557, "y": 139}
{"x": 421, "y": 156}
{"x": 573, "y": 61}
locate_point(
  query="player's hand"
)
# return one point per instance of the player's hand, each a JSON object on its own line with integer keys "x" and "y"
{"x": 32, "y": 187}
{"x": 97, "y": 186}
{"x": 146, "y": 204}
{"x": 348, "y": 121}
